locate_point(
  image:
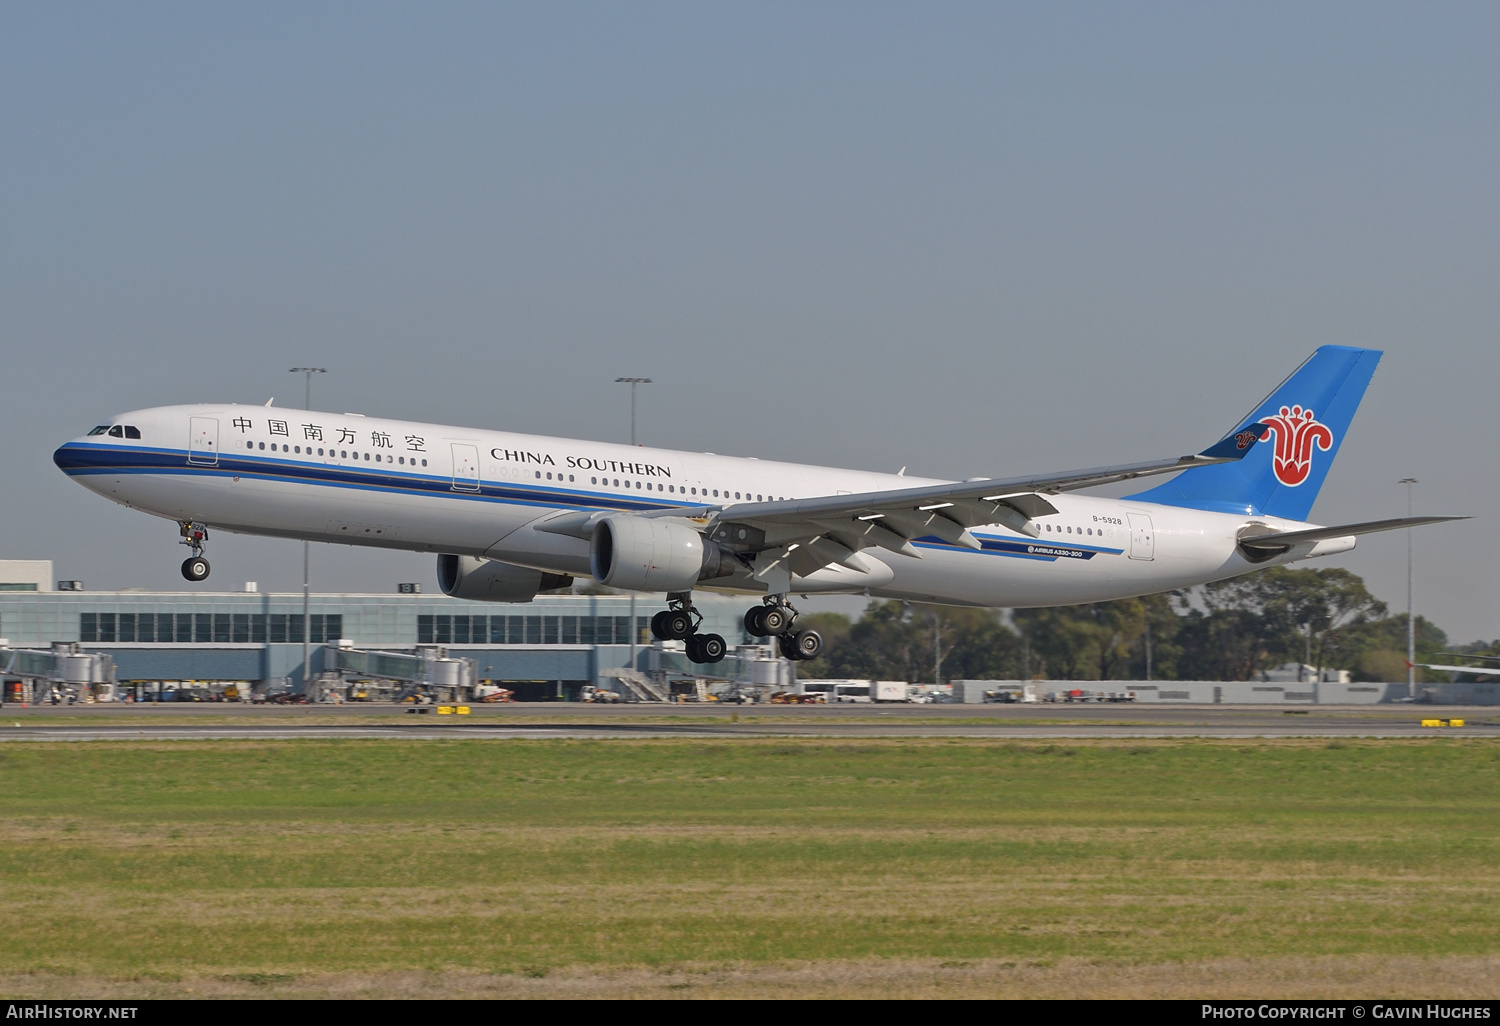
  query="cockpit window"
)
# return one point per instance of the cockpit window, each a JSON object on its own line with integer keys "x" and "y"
{"x": 117, "y": 432}
{"x": 132, "y": 432}
{"x": 99, "y": 430}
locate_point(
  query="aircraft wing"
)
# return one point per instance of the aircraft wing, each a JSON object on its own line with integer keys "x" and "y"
{"x": 1282, "y": 540}
{"x": 812, "y": 533}
{"x": 805, "y": 535}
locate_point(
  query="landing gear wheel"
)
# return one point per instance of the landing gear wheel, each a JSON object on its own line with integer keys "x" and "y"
{"x": 195, "y": 568}
{"x": 788, "y": 647}
{"x": 705, "y": 648}
{"x": 775, "y": 620}
{"x": 808, "y": 644}
{"x": 671, "y": 625}
{"x": 755, "y": 624}
{"x": 711, "y": 648}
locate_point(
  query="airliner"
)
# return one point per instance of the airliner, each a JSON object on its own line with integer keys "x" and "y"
{"x": 514, "y": 515}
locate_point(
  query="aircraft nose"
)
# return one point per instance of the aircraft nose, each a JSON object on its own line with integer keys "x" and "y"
{"x": 69, "y": 456}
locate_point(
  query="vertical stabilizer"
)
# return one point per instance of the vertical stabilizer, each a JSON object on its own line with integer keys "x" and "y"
{"x": 1308, "y": 415}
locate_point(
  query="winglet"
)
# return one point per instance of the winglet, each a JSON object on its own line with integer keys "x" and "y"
{"x": 1236, "y": 445}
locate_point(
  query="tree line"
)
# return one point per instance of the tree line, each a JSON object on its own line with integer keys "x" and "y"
{"x": 1229, "y": 630}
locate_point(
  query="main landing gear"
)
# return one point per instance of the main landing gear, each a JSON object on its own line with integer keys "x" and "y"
{"x": 680, "y": 622}
{"x": 776, "y": 618}
{"x": 194, "y": 534}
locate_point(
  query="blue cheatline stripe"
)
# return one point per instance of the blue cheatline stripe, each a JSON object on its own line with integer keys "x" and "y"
{"x": 1020, "y": 549}
{"x": 82, "y": 460}
{"x": 79, "y": 460}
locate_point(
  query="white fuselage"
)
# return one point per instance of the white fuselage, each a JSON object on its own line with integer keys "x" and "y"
{"x": 434, "y": 488}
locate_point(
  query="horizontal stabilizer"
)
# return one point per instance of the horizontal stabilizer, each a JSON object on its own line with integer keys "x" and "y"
{"x": 1281, "y": 540}
{"x": 1480, "y": 671}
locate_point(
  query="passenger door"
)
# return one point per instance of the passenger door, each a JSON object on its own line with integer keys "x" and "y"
{"x": 1142, "y": 537}
{"x": 465, "y": 467}
{"x": 203, "y": 441}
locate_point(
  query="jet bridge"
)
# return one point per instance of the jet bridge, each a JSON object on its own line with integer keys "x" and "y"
{"x": 425, "y": 670}
{"x": 63, "y": 671}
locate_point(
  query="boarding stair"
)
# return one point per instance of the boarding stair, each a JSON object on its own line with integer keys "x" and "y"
{"x": 637, "y": 683}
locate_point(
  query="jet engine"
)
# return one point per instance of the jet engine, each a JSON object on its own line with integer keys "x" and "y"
{"x": 486, "y": 580}
{"x": 642, "y": 554}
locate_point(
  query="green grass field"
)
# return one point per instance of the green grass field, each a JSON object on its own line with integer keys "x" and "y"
{"x": 751, "y": 866}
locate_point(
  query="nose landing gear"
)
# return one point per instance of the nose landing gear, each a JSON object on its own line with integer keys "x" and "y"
{"x": 776, "y": 618}
{"x": 194, "y": 534}
{"x": 680, "y": 622}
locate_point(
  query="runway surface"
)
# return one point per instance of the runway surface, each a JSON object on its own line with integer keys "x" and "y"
{"x": 554, "y": 720}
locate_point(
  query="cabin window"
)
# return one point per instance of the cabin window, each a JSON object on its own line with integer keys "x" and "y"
{"x": 570, "y": 479}
{"x": 262, "y": 445}
{"x": 424, "y": 463}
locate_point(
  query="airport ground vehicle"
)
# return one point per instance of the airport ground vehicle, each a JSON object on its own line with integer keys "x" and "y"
{"x": 1023, "y": 694}
{"x": 859, "y": 692}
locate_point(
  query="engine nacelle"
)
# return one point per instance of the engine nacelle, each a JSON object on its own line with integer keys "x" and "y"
{"x": 485, "y": 580}
{"x": 641, "y": 554}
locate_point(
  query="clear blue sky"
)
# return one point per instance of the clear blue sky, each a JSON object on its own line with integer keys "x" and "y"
{"x": 970, "y": 239}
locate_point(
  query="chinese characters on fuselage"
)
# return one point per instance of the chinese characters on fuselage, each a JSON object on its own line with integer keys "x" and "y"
{"x": 314, "y": 432}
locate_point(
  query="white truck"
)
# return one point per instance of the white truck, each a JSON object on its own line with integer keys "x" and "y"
{"x": 890, "y": 691}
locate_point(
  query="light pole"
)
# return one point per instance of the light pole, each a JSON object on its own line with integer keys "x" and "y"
{"x": 307, "y": 552}
{"x": 1411, "y": 627}
{"x": 632, "y": 382}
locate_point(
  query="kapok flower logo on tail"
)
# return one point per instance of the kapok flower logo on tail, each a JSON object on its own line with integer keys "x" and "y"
{"x": 1297, "y": 431}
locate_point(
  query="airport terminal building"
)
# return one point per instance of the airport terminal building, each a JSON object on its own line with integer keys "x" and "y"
{"x": 544, "y": 649}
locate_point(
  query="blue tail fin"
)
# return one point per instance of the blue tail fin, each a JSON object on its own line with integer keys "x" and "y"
{"x": 1308, "y": 415}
